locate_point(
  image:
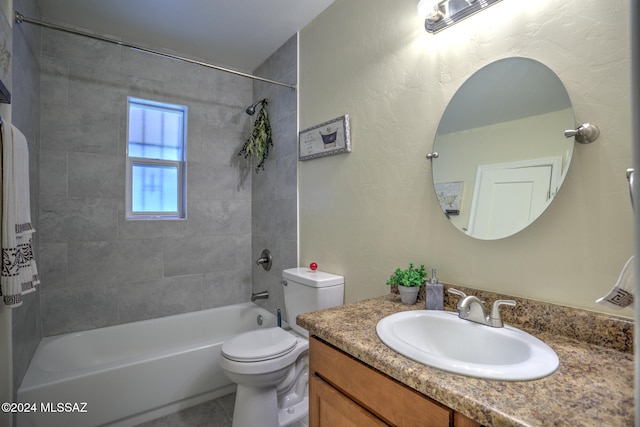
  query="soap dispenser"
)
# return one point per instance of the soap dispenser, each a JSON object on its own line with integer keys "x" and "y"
{"x": 434, "y": 294}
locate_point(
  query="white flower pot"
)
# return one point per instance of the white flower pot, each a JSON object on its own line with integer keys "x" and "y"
{"x": 408, "y": 295}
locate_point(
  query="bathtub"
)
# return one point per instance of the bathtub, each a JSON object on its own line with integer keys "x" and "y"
{"x": 127, "y": 374}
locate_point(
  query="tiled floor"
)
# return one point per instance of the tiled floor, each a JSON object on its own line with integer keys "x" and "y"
{"x": 214, "y": 413}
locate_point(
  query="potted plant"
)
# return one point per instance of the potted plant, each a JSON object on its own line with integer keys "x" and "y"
{"x": 408, "y": 282}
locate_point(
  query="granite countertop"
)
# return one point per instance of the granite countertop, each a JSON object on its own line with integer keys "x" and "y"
{"x": 592, "y": 387}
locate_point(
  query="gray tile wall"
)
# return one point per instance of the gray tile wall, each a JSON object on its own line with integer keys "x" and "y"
{"x": 98, "y": 268}
{"x": 275, "y": 196}
{"x": 25, "y": 114}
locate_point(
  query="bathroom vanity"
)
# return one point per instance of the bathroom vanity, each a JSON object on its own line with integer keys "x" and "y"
{"x": 356, "y": 380}
{"x": 344, "y": 391}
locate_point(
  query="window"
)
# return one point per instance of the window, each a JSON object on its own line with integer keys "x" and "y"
{"x": 156, "y": 152}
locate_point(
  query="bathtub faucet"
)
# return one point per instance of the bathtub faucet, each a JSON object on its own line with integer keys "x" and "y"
{"x": 259, "y": 295}
{"x": 265, "y": 259}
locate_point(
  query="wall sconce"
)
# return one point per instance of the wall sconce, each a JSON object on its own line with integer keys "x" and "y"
{"x": 440, "y": 14}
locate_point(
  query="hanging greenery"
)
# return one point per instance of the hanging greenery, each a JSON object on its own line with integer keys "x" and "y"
{"x": 260, "y": 140}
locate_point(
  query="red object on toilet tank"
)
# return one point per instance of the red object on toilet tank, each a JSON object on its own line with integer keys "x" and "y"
{"x": 313, "y": 266}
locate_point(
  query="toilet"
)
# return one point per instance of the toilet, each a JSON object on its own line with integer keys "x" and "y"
{"x": 270, "y": 365}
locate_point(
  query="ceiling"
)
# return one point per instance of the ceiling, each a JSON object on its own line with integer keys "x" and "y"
{"x": 238, "y": 34}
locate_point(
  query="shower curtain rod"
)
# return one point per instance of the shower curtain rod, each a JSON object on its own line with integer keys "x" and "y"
{"x": 21, "y": 18}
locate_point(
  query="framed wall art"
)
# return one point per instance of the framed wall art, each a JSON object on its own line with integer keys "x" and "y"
{"x": 325, "y": 139}
{"x": 449, "y": 195}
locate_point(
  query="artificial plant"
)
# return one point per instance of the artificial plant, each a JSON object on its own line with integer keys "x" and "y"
{"x": 410, "y": 277}
{"x": 260, "y": 141}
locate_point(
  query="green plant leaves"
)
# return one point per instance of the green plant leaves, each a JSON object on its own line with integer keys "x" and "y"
{"x": 260, "y": 140}
{"x": 410, "y": 277}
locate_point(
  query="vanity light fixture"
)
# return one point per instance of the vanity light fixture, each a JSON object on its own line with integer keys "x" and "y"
{"x": 440, "y": 14}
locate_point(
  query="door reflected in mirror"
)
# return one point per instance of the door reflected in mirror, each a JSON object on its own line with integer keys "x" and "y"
{"x": 502, "y": 153}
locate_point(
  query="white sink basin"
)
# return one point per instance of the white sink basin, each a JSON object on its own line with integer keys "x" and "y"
{"x": 442, "y": 340}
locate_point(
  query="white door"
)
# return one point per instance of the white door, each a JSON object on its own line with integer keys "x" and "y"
{"x": 507, "y": 200}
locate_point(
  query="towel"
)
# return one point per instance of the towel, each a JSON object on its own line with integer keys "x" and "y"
{"x": 19, "y": 272}
{"x": 621, "y": 295}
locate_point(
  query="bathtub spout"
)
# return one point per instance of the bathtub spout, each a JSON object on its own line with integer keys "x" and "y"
{"x": 259, "y": 295}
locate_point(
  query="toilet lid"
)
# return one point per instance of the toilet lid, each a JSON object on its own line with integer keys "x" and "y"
{"x": 260, "y": 344}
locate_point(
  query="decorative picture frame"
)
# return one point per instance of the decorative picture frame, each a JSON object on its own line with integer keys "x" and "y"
{"x": 325, "y": 139}
{"x": 449, "y": 195}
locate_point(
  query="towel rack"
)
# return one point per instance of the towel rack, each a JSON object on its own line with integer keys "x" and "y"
{"x": 5, "y": 95}
{"x": 630, "y": 176}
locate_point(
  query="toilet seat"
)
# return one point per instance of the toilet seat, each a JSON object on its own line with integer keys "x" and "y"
{"x": 259, "y": 345}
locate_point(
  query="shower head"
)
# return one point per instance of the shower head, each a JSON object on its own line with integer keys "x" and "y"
{"x": 252, "y": 109}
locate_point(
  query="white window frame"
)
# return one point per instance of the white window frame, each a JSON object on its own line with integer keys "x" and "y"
{"x": 181, "y": 165}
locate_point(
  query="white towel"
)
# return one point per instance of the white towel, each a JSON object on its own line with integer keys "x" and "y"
{"x": 621, "y": 295}
{"x": 19, "y": 272}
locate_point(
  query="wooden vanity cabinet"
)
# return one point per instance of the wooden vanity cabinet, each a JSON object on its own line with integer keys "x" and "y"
{"x": 346, "y": 392}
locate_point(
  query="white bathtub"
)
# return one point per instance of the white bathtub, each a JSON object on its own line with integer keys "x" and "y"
{"x": 127, "y": 374}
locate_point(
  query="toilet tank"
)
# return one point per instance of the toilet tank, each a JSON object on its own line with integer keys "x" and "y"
{"x": 306, "y": 290}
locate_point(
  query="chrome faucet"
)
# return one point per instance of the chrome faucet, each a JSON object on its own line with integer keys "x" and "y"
{"x": 259, "y": 295}
{"x": 472, "y": 308}
{"x": 265, "y": 259}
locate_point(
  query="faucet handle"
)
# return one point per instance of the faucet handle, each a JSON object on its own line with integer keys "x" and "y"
{"x": 461, "y": 294}
{"x": 495, "y": 318}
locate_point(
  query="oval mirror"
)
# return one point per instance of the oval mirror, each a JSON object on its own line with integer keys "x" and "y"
{"x": 502, "y": 153}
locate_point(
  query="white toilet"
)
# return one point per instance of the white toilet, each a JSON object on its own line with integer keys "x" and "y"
{"x": 270, "y": 365}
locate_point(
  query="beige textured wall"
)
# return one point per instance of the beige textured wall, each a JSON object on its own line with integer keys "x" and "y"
{"x": 364, "y": 213}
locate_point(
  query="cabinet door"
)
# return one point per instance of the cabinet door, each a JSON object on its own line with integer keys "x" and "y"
{"x": 330, "y": 408}
{"x": 460, "y": 420}
{"x": 386, "y": 398}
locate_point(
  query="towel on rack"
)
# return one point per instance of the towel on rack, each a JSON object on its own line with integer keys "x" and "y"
{"x": 621, "y": 295}
{"x": 19, "y": 272}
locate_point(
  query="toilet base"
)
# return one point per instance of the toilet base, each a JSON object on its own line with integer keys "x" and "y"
{"x": 259, "y": 407}
{"x": 255, "y": 407}
{"x": 294, "y": 413}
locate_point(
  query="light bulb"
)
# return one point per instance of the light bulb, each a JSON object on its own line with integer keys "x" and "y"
{"x": 430, "y": 10}
{"x": 426, "y": 8}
